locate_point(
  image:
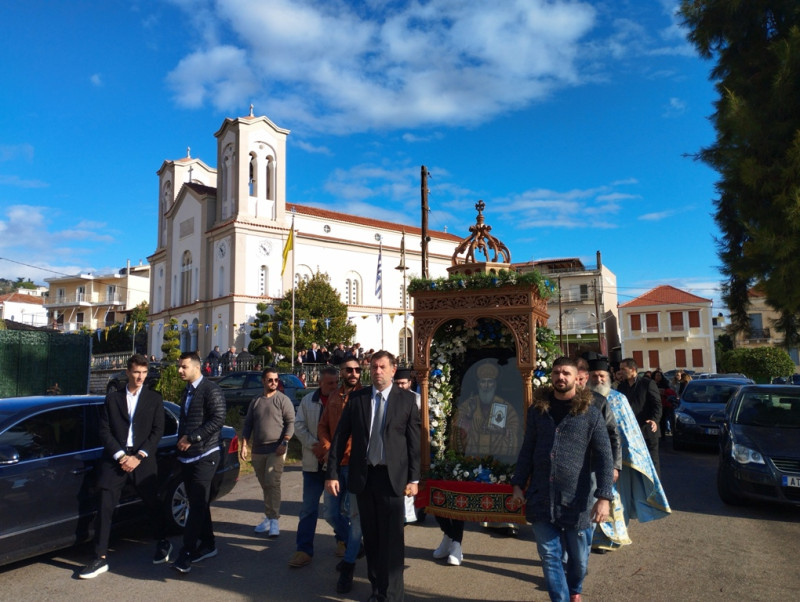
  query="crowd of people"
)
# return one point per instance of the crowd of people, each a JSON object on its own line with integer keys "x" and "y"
{"x": 590, "y": 447}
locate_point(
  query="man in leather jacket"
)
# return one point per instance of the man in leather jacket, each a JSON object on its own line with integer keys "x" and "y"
{"x": 202, "y": 416}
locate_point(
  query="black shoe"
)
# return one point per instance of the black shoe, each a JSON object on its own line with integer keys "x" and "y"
{"x": 92, "y": 570}
{"x": 340, "y": 565}
{"x": 184, "y": 562}
{"x": 163, "y": 550}
{"x": 345, "y": 583}
{"x": 204, "y": 552}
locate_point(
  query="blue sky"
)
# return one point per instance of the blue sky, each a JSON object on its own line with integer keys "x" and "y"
{"x": 570, "y": 119}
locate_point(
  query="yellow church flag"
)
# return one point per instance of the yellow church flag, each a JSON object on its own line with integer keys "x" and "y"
{"x": 289, "y": 247}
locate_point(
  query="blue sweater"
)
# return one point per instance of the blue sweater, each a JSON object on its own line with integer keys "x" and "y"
{"x": 558, "y": 460}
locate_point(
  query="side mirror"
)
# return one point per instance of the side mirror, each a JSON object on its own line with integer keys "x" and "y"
{"x": 8, "y": 455}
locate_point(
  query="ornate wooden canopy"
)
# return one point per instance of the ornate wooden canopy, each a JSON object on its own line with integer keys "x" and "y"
{"x": 519, "y": 307}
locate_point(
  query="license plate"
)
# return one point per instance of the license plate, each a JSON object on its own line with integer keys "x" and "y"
{"x": 791, "y": 481}
{"x": 711, "y": 431}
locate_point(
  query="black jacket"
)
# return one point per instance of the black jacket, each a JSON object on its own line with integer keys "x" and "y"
{"x": 203, "y": 424}
{"x": 645, "y": 401}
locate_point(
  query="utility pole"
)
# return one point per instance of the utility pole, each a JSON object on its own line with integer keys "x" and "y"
{"x": 560, "y": 316}
{"x": 425, "y": 238}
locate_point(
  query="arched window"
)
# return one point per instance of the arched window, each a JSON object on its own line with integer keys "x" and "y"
{"x": 352, "y": 289}
{"x": 263, "y": 281}
{"x": 270, "y": 196}
{"x": 193, "y": 332}
{"x": 186, "y": 278}
{"x": 253, "y": 177}
{"x": 405, "y": 345}
{"x": 221, "y": 284}
{"x": 166, "y": 203}
{"x": 159, "y": 305}
{"x": 185, "y": 340}
{"x": 227, "y": 183}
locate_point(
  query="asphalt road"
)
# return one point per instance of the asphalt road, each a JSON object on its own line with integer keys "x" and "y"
{"x": 703, "y": 551}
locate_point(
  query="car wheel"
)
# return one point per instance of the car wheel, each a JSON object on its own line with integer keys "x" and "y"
{"x": 176, "y": 507}
{"x": 725, "y": 489}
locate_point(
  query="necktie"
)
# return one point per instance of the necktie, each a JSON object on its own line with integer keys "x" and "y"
{"x": 189, "y": 395}
{"x": 375, "y": 452}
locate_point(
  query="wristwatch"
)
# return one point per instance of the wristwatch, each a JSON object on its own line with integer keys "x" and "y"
{"x": 140, "y": 455}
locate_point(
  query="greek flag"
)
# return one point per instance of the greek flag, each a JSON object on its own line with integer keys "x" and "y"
{"x": 379, "y": 278}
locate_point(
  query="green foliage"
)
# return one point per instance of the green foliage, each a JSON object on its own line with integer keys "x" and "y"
{"x": 756, "y": 46}
{"x": 762, "y": 364}
{"x": 484, "y": 281}
{"x": 315, "y": 302}
{"x": 260, "y": 337}
{"x": 170, "y": 384}
{"x": 171, "y": 348}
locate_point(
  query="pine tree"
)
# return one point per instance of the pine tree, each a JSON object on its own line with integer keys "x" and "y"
{"x": 757, "y": 149}
{"x": 321, "y": 312}
{"x": 260, "y": 337}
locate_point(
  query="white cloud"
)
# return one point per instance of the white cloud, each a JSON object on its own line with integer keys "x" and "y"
{"x": 330, "y": 65}
{"x": 9, "y": 152}
{"x": 310, "y": 148}
{"x": 18, "y": 182}
{"x": 96, "y": 80}
{"x": 675, "y": 107}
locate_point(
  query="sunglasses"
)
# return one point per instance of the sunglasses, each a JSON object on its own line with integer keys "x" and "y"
{"x": 356, "y": 370}
{"x": 272, "y": 380}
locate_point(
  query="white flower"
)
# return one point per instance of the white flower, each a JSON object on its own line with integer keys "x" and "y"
{"x": 502, "y": 478}
{"x": 466, "y": 473}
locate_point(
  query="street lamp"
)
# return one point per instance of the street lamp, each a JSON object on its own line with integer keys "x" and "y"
{"x": 402, "y": 267}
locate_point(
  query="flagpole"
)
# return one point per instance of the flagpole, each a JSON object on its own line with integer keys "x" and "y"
{"x": 380, "y": 275}
{"x": 292, "y": 329}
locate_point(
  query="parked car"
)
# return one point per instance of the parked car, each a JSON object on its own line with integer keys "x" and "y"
{"x": 794, "y": 379}
{"x": 759, "y": 455}
{"x": 700, "y": 399}
{"x": 241, "y": 387}
{"x": 119, "y": 380}
{"x": 49, "y": 458}
{"x": 705, "y": 375}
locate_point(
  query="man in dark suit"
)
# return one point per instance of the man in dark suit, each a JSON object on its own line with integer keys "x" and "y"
{"x": 202, "y": 417}
{"x": 313, "y": 356}
{"x": 384, "y": 424}
{"x": 645, "y": 401}
{"x": 131, "y": 425}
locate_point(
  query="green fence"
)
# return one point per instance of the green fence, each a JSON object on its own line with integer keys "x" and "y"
{"x": 35, "y": 363}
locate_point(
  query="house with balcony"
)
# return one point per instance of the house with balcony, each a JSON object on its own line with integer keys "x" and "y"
{"x": 584, "y": 312}
{"x": 668, "y": 328}
{"x": 762, "y": 332}
{"x": 95, "y": 301}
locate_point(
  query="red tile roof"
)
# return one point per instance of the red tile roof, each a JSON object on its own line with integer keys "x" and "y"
{"x": 665, "y": 295}
{"x": 21, "y": 298}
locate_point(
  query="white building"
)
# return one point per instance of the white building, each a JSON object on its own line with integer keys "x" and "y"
{"x": 221, "y": 235}
{"x": 26, "y": 309}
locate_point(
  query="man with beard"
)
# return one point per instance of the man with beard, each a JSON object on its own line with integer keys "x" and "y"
{"x": 486, "y": 424}
{"x": 345, "y": 503}
{"x": 639, "y": 491}
{"x": 565, "y": 440}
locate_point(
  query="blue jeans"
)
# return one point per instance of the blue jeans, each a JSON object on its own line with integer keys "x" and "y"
{"x": 313, "y": 487}
{"x": 561, "y": 583}
{"x": 348, "y": 506}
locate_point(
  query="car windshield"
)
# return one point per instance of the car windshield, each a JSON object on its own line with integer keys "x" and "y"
{"x": 234, "y": 381}
{"x": 767, "y": 409}
{"x": 709, "y": 392}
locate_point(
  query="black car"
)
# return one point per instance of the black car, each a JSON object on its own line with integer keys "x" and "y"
{"x": 759, "y": 455}
{"x": 699, "y": 400}
{"x": 794, "y": 379}
{"x": 119, "y": 380}
{"x": 49, "y": 456}
{"x": 241, "y": 387}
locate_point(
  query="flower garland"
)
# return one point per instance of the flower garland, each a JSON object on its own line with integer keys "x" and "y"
{"x": 483, "y": 281}
{"x": 447, "y": 351}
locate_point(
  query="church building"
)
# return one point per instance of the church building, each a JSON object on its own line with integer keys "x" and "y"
{"x": 221, "y": 235}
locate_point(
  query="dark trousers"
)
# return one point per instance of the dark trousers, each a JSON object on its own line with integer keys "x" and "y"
{"x": 197, "y": 480}
{"x": 382, "y": 520}
{"x": 651, "y": 441}
{"x": 114, "y": 480}
{"x": 454, "y": 529}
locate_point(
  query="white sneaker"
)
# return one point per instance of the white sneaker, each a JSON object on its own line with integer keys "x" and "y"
{"x": 456, "y": 556}
{"x": 444, "y": 548}
{"x": 273, "y": 528}
{"x": 262, "y": 526}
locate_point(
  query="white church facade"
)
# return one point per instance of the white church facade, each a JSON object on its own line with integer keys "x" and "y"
{"x": 221, "y": 235}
